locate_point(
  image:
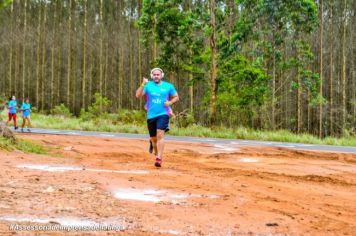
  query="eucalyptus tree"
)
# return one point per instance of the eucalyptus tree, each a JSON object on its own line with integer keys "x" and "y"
{"x": 175, "y": 30}
{"x": 271, "y": 24}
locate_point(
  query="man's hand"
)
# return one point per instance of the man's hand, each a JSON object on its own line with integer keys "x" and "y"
{"x": 168, "y": 103}
{"x": 173, "y": 100}
{"x": 139, "y": 91}
{"x": 144, "y": 81}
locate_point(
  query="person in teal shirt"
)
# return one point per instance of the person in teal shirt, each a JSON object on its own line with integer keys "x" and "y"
{"x": 26, "y": 111}
{"x": 12, "y": 110}
{"x": 160, "y": 96}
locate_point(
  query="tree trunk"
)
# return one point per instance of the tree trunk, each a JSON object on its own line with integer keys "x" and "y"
{"x": 38, "y": 53}
{"x": 91, "y": 68}
{"x": 74, "y": 75}
{"x": 11, "y": 49}
{"x": 331, "y": 88}
{"x": 139, "y": 50}
{"x": 131, "y": 79}
{"x": 343, "y": 71}
{"x": 321, "y": 70}
{"x": 121, "y": 78}
{"x": 309, "y": 113}
{"x": 101, "y": 66}
{"x": 191, "y": 93}
{"x": 273, "y": 115}
{"x": 17, "y": 67}
{"x": 59, "y": 83}
{"x": 24, "y": 51}
{"x": 331, "y": 77}
{"x": 353, "y": 70}
{"x": 69, "y": 57}
{"x": 106, "y": 63}
{"x": 43, "y": 73}
{"x": 84, "y": 55}
{"x": 53, "y": 71}
{"x": 213, "y": 65}
{"x": 299, "y": 103}
{"x": 154, "y": 44}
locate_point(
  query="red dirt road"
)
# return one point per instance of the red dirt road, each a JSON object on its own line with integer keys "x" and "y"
{"x": 200, "y": 189}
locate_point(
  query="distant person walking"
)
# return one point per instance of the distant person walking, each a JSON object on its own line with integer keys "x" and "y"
{"x": 160, "y": 96}
{"x": 26, "y": 112}
{"x": 12, "y": 110}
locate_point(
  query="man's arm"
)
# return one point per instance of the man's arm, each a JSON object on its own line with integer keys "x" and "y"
{"x": 174, "y": 99}
{"x": 139, "y": 91}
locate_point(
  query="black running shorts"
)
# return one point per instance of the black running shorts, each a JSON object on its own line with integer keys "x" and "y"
{"x": 159, "y": 122}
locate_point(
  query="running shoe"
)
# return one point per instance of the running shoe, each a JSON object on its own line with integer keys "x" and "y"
{"x": 158, "y": 162}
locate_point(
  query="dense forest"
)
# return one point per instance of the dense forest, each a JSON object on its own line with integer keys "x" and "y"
{"x": 265, "y": 64}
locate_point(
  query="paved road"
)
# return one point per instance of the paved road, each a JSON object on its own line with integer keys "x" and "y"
{"x": 212, "y": 141}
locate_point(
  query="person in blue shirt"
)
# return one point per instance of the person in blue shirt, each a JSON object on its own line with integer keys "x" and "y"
{"x": 160, "y": 96}
{"x": 12, "y": 110}
{"x": 26, "y": 111}
{"x": 150, "y": 149}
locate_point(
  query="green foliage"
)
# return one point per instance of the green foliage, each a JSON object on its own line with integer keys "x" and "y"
{"x": 243, "y": 87}
{"x": 317, "y": 100}
{"x": 173, "y": 26}
{"x": 184, "y": 119}
{"x": 131, "y": 116}
{"x": 99, "y": 108}
{"x": 22, "y": 145}
{"x": 5, "y": 3}
{"x": 60, "y": 110}
{"x": 309, "y": 81}
{"x": 108, "y": 123}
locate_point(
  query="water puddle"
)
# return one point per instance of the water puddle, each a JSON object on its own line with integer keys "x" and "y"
{"x": 24, "y": 219}
{"x": 137, "y": 172}
{"x": 64, "y": 221}
{"x": 61, "y": 221}
{"x": 151, "y": 195}
{"x": 49, "y": 168}
{"x": 139, "y": 195}
{"x": 170, "y": 231}
{"x": 4, "y": 206}
{"x": 248, "y": 160}
{"x": 225, "y": 148}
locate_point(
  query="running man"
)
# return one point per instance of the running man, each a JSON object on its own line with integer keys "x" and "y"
{"x": 26, "y": 111}
{"x": 12, "y": 110}
{"x": 160, "y": 96}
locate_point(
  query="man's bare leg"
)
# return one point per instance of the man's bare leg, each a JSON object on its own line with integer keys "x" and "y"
{"x": 154, "y": 144}
{"x": 160, "y": 143}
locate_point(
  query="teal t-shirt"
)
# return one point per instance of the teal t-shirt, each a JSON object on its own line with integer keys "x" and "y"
{"x": 12, "y": 106}
{"x": 26, "y": 109}
{"x": 156, "y": 96}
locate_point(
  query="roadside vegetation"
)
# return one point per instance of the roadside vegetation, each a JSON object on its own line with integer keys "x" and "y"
{"x": 22, "y": 145}
{"x": 98, "y": 118}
